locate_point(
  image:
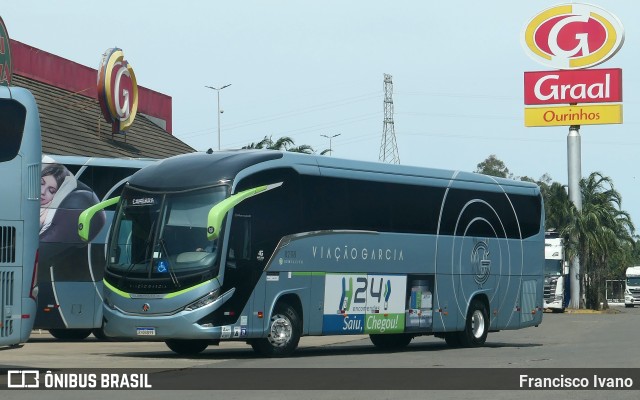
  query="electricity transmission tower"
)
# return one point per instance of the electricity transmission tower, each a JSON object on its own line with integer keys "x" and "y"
{"x": 388, "y": 147}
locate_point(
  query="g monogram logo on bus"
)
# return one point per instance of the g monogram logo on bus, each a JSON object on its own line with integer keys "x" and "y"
{"x": 481, "y": 262}
{"x": 146, "y": 307}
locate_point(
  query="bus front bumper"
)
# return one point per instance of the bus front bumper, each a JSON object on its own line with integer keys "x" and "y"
{"x": 183, "y": 324}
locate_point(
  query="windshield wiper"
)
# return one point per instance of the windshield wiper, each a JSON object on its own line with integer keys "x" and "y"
{"x": 172, "y": 274}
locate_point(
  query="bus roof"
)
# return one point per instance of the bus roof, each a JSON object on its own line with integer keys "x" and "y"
{"x": 99, "y": 161}
{"x": 202, "y": 169}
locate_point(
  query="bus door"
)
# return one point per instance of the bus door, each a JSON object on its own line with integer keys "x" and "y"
{"x": 242, "y": 271}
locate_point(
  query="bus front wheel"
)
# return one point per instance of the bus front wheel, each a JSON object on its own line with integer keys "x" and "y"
{"x": 187, "y": 347}
{"x": 284, "y": 333}
{"x": 99, "y": 334}
{"x": 70, "y": 334}
{"x": 477, "y": 325}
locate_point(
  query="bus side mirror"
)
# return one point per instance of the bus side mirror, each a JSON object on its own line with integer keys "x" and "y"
{"x": 218, "y": 212}
{"x": 84, "y": 220}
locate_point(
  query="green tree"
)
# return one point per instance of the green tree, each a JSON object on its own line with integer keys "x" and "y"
{"x": 494, "y": 167}
{"x": 284, "y": 143}
{"x": 599, "y": 234}
{"x": 556, "y": 202}
{"x": 557, "y": 206}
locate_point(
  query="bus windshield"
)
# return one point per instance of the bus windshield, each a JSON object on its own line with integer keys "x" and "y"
{"x": 552, "y": 267}
{"x": 159, "y": 240}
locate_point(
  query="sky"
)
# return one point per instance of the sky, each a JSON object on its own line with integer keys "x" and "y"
{"x": 305, "y": 69}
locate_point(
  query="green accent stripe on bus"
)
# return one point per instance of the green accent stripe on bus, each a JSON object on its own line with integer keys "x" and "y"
{"x": 308, "y": 273}
{"x": 174, "y": 294}
{"x": 116, "y": 291}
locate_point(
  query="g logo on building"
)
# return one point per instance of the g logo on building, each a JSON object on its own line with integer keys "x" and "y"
{"x": 572, "y": 36}
{"x": 117, "y": 90}
{"x": 481, "y": 262}
{"x": 5, "y": 55}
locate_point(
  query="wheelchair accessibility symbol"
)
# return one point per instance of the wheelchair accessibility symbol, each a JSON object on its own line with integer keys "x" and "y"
{"x": 162, "y": 267}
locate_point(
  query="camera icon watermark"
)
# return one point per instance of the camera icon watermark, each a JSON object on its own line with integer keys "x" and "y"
{"x": 23, "y": 379}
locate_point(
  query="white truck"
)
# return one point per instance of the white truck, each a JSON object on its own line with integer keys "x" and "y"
{"x": 632, "y": 287}
{"x": 554, "y": 272}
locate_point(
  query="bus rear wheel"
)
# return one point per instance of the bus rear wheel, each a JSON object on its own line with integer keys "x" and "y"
{"x": 391, "y": 341}
{"x": 186, "y": 347}
{"x": 284, "y": 333}
{"x": 70, "y": 334}
{"x": 477, "y": 325}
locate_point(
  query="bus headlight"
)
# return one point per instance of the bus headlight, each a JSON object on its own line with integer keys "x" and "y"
{"x": 204, "y": 300}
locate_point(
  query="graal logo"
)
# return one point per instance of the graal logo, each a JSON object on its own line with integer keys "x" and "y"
{"x": 23, "y": 379}
{"x": 481, "y": 262}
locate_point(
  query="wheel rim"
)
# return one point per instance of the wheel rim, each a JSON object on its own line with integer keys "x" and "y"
{"x": 477, "y": 324}
{"x": 281, "y": 330}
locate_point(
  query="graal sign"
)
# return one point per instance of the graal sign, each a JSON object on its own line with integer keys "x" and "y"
{"x": 572, "y": 36}
{"x": 117, "y": 90}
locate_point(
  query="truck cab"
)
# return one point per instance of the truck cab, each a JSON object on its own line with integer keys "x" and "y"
{"x": 555, "y": 271}
{"x": 632, "y": 287}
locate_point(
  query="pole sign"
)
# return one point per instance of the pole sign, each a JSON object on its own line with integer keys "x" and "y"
{"x": 573, "y": 37}
{"x": 5, "y": 56}
{"x": 117, "y": 90}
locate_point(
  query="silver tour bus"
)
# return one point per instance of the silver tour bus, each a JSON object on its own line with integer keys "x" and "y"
{"x": 70, "y": 270}
{"x": 20, "y": 154}
{"x": 265, "y": 247}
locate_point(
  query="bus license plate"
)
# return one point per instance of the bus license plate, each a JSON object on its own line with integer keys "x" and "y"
{"x": 146, "y": 331}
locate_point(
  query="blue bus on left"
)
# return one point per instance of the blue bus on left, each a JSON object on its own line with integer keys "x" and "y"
{"x": 20, "y": 163}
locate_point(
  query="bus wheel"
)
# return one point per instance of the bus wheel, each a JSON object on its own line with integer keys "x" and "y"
{"x": 70, "y": 334}
{"x": 452, "y": 339}
{"x": 284, "y": 333}
{"x": 99, "y": 334}
{"x": 476, "y": 327}
{"x": 391, "y": 341}
{"x": 186, "y": 347}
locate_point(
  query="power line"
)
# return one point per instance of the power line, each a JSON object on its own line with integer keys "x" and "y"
{"x": 292, "y": 113}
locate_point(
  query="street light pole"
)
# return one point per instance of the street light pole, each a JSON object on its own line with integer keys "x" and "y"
{"x": 218, "y": 90}
{"x": 330, "y": 137}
